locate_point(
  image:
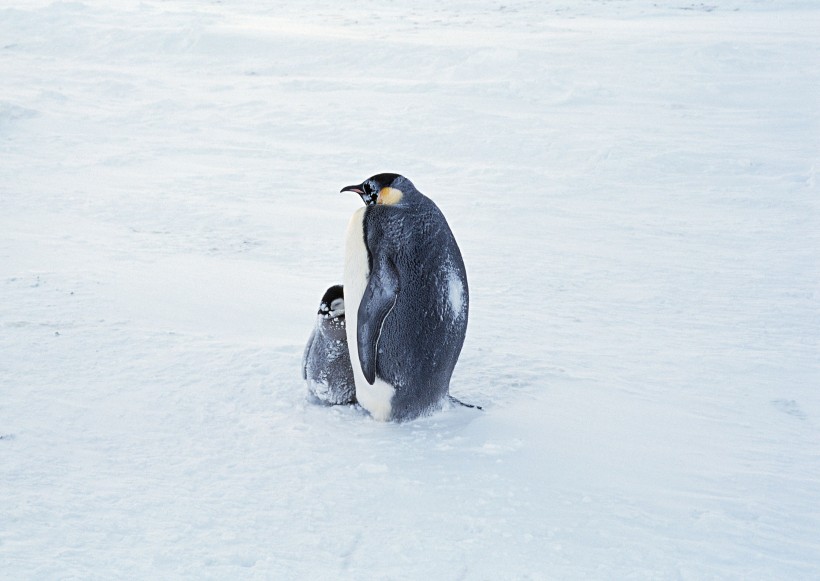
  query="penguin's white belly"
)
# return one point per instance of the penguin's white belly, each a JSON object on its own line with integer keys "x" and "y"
{"x": 377, "y": 398}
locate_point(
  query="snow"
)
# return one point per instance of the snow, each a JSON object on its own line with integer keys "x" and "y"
{"x": 455, "y": 292}
{"x": 633, "y": 188}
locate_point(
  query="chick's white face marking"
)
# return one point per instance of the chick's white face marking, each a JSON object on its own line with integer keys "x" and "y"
{"x": 337, "y": 308}
{"x": 376, "y": 398}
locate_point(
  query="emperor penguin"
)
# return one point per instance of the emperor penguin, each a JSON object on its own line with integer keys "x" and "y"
{"x": 407, "y": 299}
{"x": 326, "y": 362}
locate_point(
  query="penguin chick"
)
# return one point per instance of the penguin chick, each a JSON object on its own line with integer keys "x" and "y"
{"x": 407, "y": 299}
{"x": 326, "y": 362}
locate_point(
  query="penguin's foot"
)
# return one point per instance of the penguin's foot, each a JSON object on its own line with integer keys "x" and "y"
{"x": 467, "y": 405}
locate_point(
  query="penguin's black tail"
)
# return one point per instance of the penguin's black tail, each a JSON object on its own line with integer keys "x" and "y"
{"x": 467, "y": 405}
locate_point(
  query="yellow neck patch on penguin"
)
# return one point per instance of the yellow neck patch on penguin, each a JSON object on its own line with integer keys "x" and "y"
{"x": 389, "y": 196}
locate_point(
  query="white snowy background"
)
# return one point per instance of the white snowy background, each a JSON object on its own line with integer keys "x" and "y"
{"x": 633, "y": 186}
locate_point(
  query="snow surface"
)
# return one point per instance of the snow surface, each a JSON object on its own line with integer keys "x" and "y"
{"x": 633, "y": 186}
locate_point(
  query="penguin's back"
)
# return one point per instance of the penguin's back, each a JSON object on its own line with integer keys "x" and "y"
{"x": 422, "y": 337}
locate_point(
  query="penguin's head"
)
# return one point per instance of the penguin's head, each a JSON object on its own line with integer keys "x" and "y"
{"x": 333, "y": 303}
{"x": 384, "y": 188}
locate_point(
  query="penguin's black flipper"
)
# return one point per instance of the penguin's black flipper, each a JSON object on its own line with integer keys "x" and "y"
{"x": 377, "y": 302}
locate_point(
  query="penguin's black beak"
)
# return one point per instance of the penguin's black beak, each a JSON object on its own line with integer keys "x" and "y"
{"x": 358, "y": 189}
{"x": 368, "y": 197}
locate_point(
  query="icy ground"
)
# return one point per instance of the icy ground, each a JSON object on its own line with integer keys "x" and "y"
{"x": 633, "y": 186}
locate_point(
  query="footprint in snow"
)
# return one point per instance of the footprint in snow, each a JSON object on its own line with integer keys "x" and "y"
{"x": 791, "y": 407}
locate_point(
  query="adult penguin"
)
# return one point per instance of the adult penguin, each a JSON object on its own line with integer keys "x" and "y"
{"x": 407, "y": 299}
